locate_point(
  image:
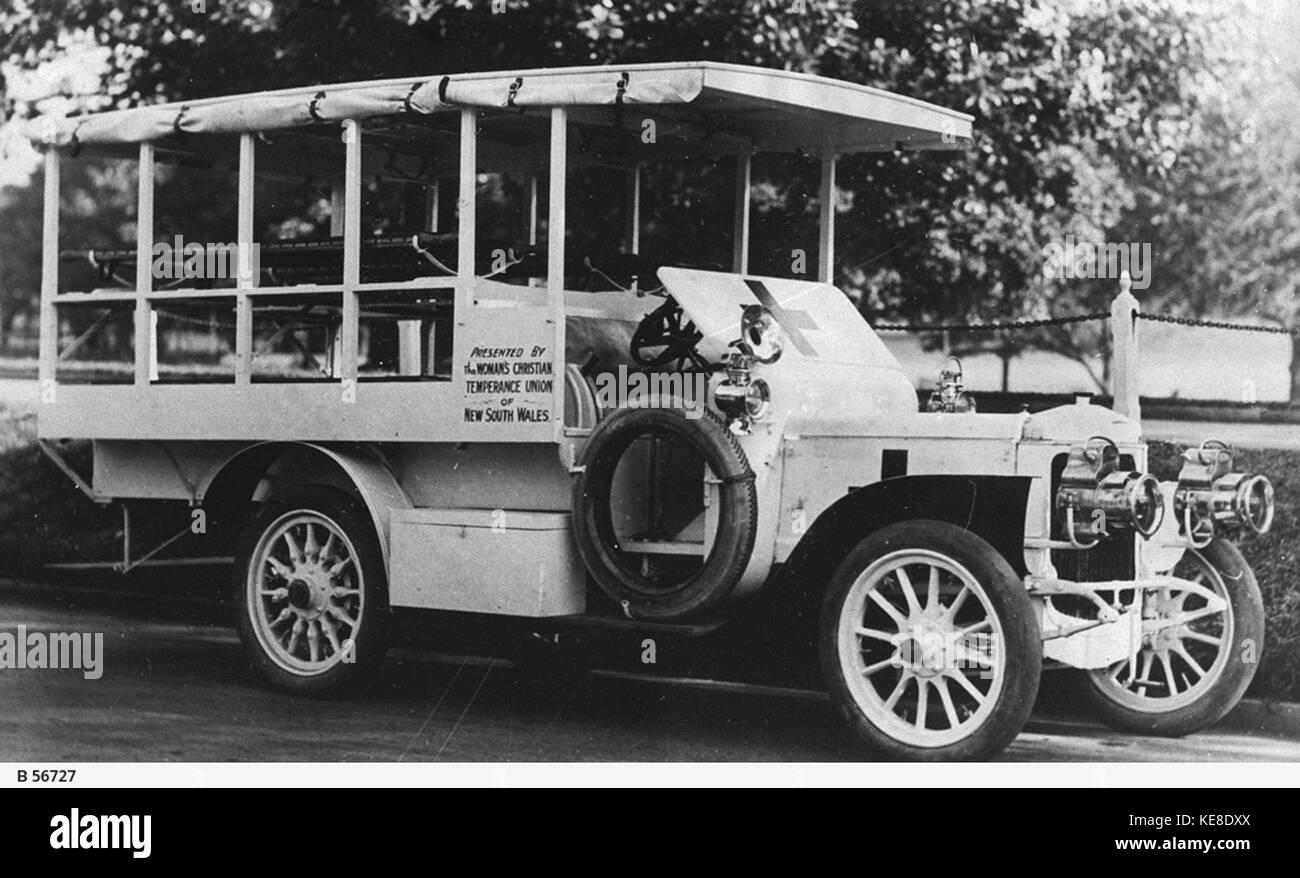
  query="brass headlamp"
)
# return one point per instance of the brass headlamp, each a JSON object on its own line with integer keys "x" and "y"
{"x": 1213, "y": 500}
{"x": 950, "y": 397}
{"x": 761, "y": 334}
{"x": 742, "y": 397}
{"x": 1095, "y": 496}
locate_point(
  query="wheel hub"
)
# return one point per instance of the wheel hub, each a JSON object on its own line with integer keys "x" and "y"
{"x": 1168, "y": 638}
{"x": 926, "y": 649}
{"x": 310, "y": 589}
{"x": 299, "y": 594}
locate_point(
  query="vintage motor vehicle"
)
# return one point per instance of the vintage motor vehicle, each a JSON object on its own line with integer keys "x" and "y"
{"x": 491, "y": 465}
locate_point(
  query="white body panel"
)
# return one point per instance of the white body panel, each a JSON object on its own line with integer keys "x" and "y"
{"x": 486, "y": 561}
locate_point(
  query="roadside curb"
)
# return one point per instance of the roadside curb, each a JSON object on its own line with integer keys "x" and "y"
{"x": 1263, "y": 715}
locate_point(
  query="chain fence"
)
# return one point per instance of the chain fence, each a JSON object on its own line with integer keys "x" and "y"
{"x": 1079, "y": 318}
{"x": 1219, "y": 324}
{"x": 1082, "y": 318}
{"x": 989, "y": 327}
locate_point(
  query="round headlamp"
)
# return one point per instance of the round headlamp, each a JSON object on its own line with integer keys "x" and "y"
{"x": 742, "y": 397}
{"x": 762, "y": 334}
{"x": 1235, "y": 502}
{"x": 1211, "y": 499}
{"x": 1244, "y": 500}
{"x": 1132, "y": 500}
{"x": 758, "y": 399}
{"x": 949, "y": 395}
{"x": 1095, "y": 496}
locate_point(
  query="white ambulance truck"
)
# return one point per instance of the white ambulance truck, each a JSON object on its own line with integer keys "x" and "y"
{"x": 531, "y": 451}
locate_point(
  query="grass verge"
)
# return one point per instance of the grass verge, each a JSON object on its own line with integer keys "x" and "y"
{"x": 1273, "y": 557}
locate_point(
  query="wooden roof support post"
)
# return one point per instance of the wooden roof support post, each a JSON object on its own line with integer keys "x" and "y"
{"x": 432, "y": 196}
{"x": 530, "y": 219}
{"x": 632, "y": 242}
{"x": 740, "y": 229}
{"x": 555, "y": 226}
{"x": 530, "y": 216}
{"x": 144, "y": 323}
{"x": 248, "y": 267}
{"x": 410, "y": 333}
{"x": 1124, "y": 350}
{"x": 826, "y": 241}
{"x": 350, "y": 328}
{"x": 49, "y": 352}
{"x": 338, "y": 200}
{"x": 632, "y": 212}
{"x": 466, "y": 234}
{"x": 466, "y": 204}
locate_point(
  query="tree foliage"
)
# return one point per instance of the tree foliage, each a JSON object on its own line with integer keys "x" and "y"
{"x": 1095, "y": 118}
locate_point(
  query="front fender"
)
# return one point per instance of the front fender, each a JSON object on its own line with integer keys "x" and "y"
{"x": 775, "y": 631}
{"x": 993, "y": 507}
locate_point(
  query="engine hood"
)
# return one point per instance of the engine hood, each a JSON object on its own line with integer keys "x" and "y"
{"x": 1079, "y": 422}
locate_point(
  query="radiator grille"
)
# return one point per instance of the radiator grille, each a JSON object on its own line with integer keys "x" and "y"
{"x": 1113, "y": 558}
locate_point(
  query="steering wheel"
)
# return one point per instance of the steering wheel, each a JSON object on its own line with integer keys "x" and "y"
{"x": 668, "y": 329}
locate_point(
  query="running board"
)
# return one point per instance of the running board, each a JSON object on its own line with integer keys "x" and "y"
{"x": 121, "y": 567}
{"x": 615, "y": 623}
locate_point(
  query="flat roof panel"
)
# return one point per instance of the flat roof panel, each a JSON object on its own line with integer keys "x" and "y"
{"x": 828, "y": 114}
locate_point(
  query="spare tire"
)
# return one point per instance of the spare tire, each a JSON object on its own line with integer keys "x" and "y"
{"x": 618, "y": 572}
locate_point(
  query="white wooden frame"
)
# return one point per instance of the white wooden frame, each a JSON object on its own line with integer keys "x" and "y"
{"x": 555, "y": 228}
{"x": 740, "y": 228}
{"x": 417, "y": 410}
{"x": 350, "y": 327}
{"x": 365, "y": 418}
{"x": 826, "y": 224}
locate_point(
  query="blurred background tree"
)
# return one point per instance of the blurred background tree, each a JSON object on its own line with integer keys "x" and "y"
{"x": 1112, "y": 120}
{"x": 1237, "y": 226}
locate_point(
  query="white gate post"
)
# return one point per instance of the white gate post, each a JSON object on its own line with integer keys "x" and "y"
{"x": 49, "y": 351}
{"x": 1124, "y": 350}
{"x": 249, "y": 266}
{"x": 145, "y": 327}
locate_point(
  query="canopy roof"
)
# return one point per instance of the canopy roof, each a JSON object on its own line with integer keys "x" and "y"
{"x": 747, "y": 108}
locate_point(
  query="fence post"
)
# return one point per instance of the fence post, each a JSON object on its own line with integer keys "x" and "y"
{"x": 1124, "y": 350}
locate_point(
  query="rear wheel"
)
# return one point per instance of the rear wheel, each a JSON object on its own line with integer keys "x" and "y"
{"x": 309, "y": 591}
{"x": 930, "y": 645}
{"x": 1196, "y": 665}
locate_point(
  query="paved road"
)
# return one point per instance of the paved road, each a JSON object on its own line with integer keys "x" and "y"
{"x": 173, "y": 690}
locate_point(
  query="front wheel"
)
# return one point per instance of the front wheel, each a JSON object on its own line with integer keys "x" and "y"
{"x": 309, "y": 591}
{"x": 929, "y": 644}
{"x": 1196, "y": 663}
